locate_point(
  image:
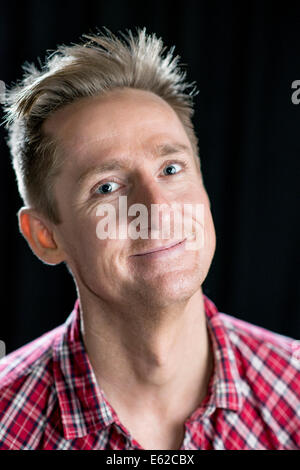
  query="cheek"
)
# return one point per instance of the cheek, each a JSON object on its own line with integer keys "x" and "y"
{"x": 204, "y": 220}
{"x": 81, "y": 241}
{"x": 192, "y": 191}
{"x": 210, "y": 234}
{"x": 102, "y": 257}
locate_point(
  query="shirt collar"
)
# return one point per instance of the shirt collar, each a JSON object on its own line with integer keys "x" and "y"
{"x": 83, "y": 405}
{"x": 225, "y": 387}
{"x": 84, "y": 408}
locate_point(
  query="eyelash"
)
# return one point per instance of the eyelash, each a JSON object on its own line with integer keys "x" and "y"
{"x": 183, "y": 163}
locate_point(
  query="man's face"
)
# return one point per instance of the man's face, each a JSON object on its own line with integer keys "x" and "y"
{"x": 130, "y": 126}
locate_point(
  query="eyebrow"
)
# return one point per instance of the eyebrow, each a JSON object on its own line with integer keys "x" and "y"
{"x": 160, "y": 151}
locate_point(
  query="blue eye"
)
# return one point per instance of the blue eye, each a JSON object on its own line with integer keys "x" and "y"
{"x": 107, "y": 187}
{"x": 110, "y": 186}
{"x": 171, "y": 169}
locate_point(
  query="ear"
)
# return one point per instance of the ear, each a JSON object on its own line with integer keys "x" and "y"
{"x": 39, "y": 234}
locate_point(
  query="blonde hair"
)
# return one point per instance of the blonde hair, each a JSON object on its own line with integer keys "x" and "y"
{"x": 99, "y": 64}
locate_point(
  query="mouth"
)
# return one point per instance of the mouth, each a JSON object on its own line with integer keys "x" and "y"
{"x": 165, "y": 248}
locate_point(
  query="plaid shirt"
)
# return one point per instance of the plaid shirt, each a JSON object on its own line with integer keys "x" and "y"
{"x": 49, "y": 397}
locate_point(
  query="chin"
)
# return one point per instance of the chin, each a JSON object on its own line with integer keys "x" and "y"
{"x": 173, "y": 288}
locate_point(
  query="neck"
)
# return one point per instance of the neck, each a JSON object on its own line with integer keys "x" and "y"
{"x": 153, "y": 362}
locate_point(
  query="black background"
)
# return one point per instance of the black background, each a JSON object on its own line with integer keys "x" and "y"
{"x": 244, "y": 57}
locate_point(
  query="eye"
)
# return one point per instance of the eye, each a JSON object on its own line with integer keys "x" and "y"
{"x": 170, "y": 169}
{"x": 107, "y": 188}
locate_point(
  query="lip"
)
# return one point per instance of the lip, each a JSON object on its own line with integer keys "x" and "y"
{"x": 167, "y": 248}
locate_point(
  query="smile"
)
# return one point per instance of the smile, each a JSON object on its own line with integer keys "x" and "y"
{"x": 163, "y": 249}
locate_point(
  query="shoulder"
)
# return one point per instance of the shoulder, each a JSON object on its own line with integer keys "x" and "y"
{"x": 269, "y": 367}
{"x": 253, "y": 340}
{"x": 26, "y": 381}
{"x": 28, "y": 359}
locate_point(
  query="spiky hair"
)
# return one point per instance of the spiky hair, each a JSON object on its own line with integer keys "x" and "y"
{"x": 99, "y": 64}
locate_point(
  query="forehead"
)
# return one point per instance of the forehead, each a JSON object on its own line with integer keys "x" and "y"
{"x": 122, "y": 117}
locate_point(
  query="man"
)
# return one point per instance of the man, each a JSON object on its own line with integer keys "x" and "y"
{"x": 145, "y": 360}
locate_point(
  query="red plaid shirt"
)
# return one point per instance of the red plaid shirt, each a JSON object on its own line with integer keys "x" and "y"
{"x": 49, "y": 397}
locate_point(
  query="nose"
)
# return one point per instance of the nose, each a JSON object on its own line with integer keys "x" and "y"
{"x": 151, "y": 193}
